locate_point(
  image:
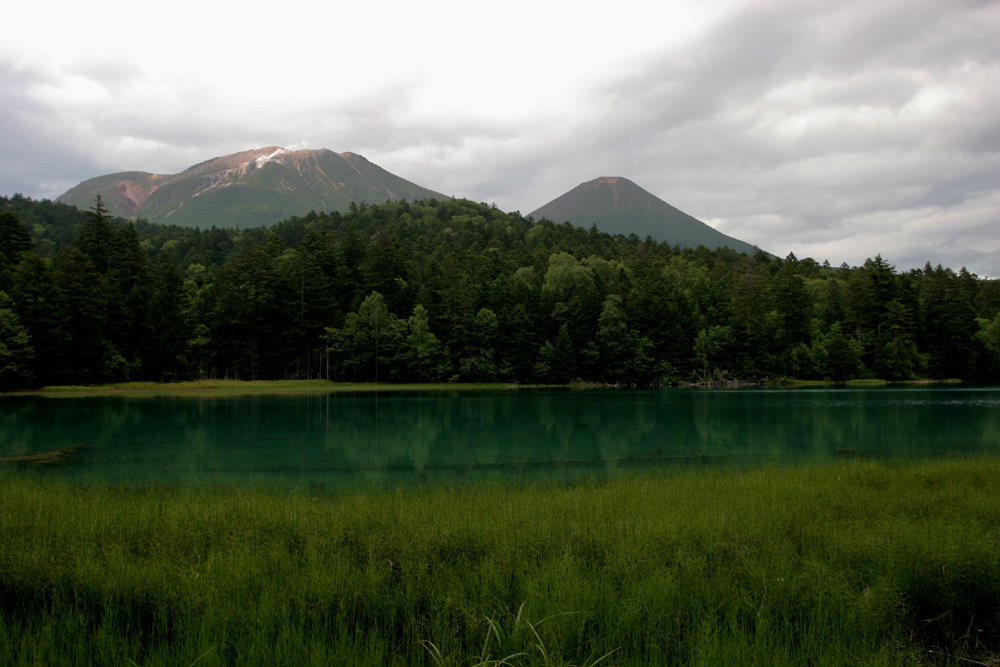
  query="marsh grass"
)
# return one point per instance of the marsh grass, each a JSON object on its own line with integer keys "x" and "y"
{"x": 245, "y": 387}
{"x": 239, "y": 387}
{"x": 863, "y": 383}
{"x": 849, "y": 564}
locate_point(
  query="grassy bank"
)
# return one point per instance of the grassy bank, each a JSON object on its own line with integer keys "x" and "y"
{"x": 238, "y": 387}
{"x": 871, "y": 382}
{"x": 854, "y": 564}
{"x": 243, "y": 387}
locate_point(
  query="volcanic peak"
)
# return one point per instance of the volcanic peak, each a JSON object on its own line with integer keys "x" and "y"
{"x": 259, "y": 186}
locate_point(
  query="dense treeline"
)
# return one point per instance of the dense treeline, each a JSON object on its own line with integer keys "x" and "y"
{"x": 456, "y": 290}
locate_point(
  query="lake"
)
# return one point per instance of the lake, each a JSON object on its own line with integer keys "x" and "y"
{"x": 359, "y": 439}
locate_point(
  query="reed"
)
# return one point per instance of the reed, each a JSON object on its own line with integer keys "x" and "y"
{"x": 856, "y": 563}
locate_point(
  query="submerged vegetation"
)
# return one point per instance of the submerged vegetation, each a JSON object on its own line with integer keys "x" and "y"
{"x": 847, "y": 564}
{"x": 52, "y": 457}
{"x": 437, "y": 291}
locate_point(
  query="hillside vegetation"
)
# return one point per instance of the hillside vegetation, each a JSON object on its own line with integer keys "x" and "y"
{"x": 455, "y": 290}
{"x": 250, "y": 188}
{"x": 619, "y": 206}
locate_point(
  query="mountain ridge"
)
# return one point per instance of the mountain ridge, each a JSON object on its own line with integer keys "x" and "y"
{"x": 616, "y": 205}
{"x": 264, "y": 186}
{"x": 249, "y": 188}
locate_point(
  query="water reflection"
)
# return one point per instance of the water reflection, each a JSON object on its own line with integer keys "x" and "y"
{"x": 435, "y": 438}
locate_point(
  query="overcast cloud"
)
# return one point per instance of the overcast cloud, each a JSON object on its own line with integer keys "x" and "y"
{"x": 835, "y": 131}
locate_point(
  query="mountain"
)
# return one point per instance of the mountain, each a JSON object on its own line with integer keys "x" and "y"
{"x": 619, "y": 206}
{"x": 248, "y": 189}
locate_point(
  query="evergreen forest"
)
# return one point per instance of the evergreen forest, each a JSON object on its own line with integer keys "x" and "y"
{"x": 439, "y": 291}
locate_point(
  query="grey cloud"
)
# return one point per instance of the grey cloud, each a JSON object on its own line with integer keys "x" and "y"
{"x": 768, "y": 124}
{"x": 889, "y": 89}
{"x": 37, "y": 148}
{"x": 689, "y": 128}
{"x": 696, "y": 122}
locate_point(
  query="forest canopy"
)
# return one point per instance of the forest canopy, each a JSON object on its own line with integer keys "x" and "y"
{"x": 459, "y": 291}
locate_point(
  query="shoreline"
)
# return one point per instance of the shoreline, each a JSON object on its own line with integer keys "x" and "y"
{"x": 261, "y": 387}
{"x": 251, "y": 387}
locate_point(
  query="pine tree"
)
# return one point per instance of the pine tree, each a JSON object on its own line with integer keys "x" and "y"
{"x": 129, "y": 291}
{"x": 556, "y": 360}
{"x": 14, "y": 238}
{"x": 167, "y": 359}
{"x": 96, "y": 239}
{"x": 15, "y": 349}
{"x": 89, "y": 357}
{"x": 41, "y": 307}
{"x": 949, "y": 324}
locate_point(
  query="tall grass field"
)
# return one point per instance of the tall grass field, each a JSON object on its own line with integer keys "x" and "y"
{"x": 853, "y": 564}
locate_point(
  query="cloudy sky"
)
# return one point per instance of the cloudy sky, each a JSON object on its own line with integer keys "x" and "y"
{"x": 832, "y": 130}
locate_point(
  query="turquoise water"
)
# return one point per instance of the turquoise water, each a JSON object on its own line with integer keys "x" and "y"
{"x": 391, "y": 438}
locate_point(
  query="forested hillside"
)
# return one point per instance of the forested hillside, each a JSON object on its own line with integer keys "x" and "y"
{"x": 455, "y": 290}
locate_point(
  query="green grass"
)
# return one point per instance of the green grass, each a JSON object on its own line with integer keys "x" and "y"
{"x": 791, "y": 382}
{"x": 854, "y": 564}
{"x": 237, "y": 387}
{"x": 231, "y": 387}
{"x": 868, "y": 382}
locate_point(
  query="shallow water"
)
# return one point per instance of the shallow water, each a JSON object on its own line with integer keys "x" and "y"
{"x": 389, "y": 438}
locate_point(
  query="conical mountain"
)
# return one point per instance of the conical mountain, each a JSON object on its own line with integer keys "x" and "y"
{"x": 248, "y": 189}
{"x": 618, "y": 206}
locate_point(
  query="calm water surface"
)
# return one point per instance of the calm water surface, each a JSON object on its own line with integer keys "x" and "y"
{"x": 389, "y": 438}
